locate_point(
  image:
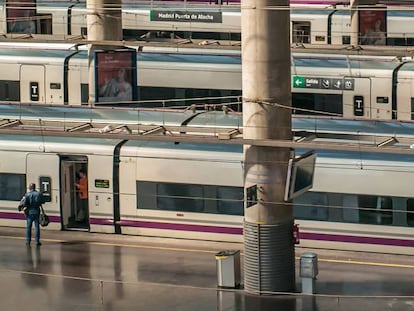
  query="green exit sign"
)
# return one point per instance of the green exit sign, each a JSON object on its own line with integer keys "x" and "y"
{"x": 299, "y": 82}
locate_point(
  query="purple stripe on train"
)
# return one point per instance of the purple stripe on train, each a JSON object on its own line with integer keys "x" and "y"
{"x": 231, "y": 230}
{"x": 356, "y": 239}
{"x": 182, "y": 227}
{"x": 20, "y": 216}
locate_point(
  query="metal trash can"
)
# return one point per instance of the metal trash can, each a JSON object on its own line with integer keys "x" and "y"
{"x": 308, "y": 272}
{"x": 228, "y": 268}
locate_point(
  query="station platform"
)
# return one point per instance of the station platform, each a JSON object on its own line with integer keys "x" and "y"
{"x": 86, "y": 271}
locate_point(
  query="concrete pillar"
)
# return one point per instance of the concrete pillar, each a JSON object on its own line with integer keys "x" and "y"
{"x": 269, "y": 264}
{"x": 104, "y": 23}
{"x": 354, "y": 22}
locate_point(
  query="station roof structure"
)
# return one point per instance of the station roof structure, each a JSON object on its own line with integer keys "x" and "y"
{"x": 211, "y": 127}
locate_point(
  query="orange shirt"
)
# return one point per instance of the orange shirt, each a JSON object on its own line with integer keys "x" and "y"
{"x": 83, "y": 188}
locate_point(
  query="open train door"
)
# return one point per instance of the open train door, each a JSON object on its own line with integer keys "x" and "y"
{"x": 74, "y": 211}
{"x": 43, "y": 170}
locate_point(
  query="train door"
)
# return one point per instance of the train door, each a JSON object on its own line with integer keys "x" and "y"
{"x": 43, "y": 170}
{"x": 403, "y": 105}
{"x": 74, "y": 206}
{"x": 32, "y": 84}
{"x": 357, "y": 98}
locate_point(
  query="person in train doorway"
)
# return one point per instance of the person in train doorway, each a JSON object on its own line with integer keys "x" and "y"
{"x": 33, "y": 201}
{"x": 82, "y": 186}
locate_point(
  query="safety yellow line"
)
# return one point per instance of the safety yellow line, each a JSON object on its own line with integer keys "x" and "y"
{"x": 367, "y": 263}
{"x": 155, "y": 247}
{"x": 351, "y": 262}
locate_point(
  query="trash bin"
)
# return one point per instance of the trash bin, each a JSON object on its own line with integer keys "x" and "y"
{"x": 308, "y": 272}
{"x": 228, "y": 268}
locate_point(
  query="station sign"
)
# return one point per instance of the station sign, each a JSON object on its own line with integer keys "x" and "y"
{"x": 346, "y": 84}
{"x": 45, "y": 187}
{"x": 34, "y": 91}
{"x": 186, "y": 16}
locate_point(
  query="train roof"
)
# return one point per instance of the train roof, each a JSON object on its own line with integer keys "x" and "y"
{"x": 356, "y": 127}
{"x": 61, "y": 145}
{"x": 167, "y": 51}
{"x": 298, "y": 60}
{"x": 200, "y": 56}
{"x": 326, "y": 128}
{"x": 119, "y": 116}
{"x": 35, "y": 53}
{"x": 198, "y": 118}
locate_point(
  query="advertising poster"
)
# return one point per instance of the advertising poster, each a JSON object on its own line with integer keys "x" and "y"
{"x": 21, "y": 16}
{"x": 115, "y": 76}
{"x": 373, "y": 27}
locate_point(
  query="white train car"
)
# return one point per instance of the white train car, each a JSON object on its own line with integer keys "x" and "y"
{"x": 365, "y": 87}
{"x": 311, "y": 23}
{"x": 359, "y": 200}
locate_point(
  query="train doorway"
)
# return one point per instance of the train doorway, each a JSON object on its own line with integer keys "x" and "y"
{"x": 74, "y": 194}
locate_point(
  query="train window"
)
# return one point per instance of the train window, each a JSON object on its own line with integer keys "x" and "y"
{"x": 346, "y": 40}
{"x": 412, "y": 108}
{"x": 210, "y": 35}
{"x": 375, "y": 210}
{"x": 230, "y": 200}
{"x": 44, "y": 24}
{"x": 301, "y": 32}
{"x": 12, "y": 186}
{"x": 180, "y": 197}
{"x": 10, "y": 90}
{"x": 84, "y": 93}
{"x": 311, "y": 206}
{"x": 410, "y": 212}
{"x": 186, "y": 96}
{"x": 407, "y": 41}
{"x": 155, "y": 93}
{"x": 190, "y": 198}
{"x": 170, "y": 196}
{"x": 382, "y": 100}
{"x": 347, "y": 208}
{"x": 317, "y": 104}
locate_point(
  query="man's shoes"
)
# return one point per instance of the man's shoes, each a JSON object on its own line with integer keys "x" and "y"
{"x": 38, "y": 244}
{"x": 28, "y": 244}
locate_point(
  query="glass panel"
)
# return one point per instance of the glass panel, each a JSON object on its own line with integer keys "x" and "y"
{"x": 180, "y": 197}
{"x": 12, "y": 186}
{"x": 230, "y": 200}
{"x": 410, "y": 212}
{"x": 301, "y": 32}
{"x": 375, "y": 210}
{"x": 311, "y": 206}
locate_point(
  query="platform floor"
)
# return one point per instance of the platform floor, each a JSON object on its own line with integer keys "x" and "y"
{"x": 84, "y": 271}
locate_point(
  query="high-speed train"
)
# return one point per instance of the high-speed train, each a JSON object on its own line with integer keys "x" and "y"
{"x": 359, "y": 200}
{"x": 311, "y": 23}
{"x": 335, "y": 85}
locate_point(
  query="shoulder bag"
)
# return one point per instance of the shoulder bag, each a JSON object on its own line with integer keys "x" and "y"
{"x": 43, "y": 218}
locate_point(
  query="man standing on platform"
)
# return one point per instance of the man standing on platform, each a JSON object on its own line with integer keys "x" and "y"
{"x": 33, "y": 201}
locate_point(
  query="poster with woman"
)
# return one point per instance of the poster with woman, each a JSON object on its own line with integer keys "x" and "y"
{"x": 373, "y": 27}
{"x": 115, "y": 76}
